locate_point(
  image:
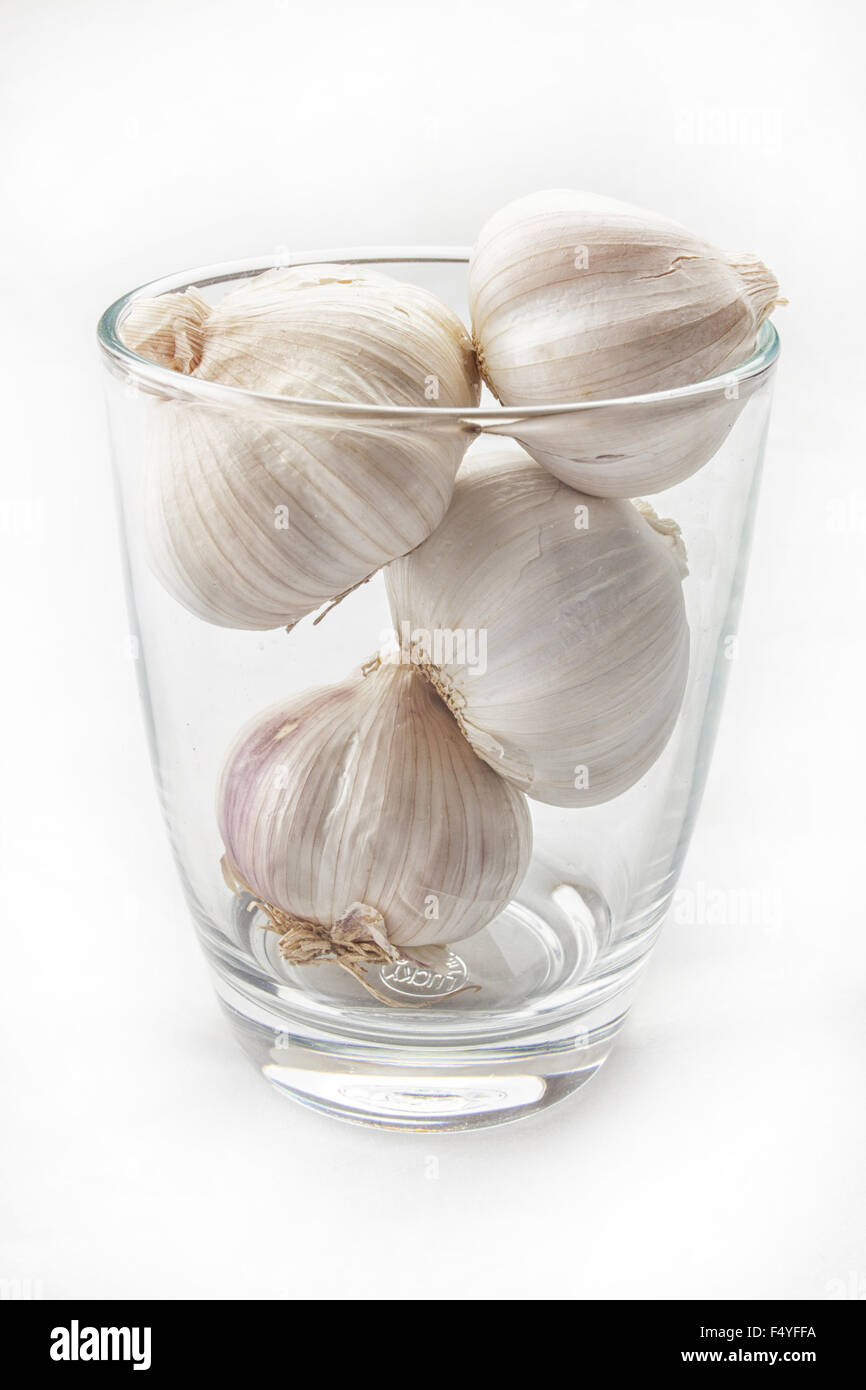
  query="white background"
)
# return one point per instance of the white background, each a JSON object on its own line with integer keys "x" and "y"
{"x": 720, "y": 1152}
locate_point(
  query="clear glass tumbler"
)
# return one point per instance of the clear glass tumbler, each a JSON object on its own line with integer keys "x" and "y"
{"x": 553, "y": 976}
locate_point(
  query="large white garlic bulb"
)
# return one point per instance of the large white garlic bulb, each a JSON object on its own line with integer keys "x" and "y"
{"x": 553, "y": 624}
{"x": 365, "y": 800}
{"x": 576, "y": 297}
{"x": 257, "y": 518}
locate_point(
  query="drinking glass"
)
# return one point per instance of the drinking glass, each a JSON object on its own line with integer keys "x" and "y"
{"x": 552, "y": 977}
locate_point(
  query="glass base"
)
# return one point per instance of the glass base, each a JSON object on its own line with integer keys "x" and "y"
{"x": 406, "y": 1094}
{"x": 505, "y": 1024}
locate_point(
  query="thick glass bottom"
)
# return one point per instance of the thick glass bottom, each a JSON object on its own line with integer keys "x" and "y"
{"x": 412, "y": 1094}
{"x": 509, "y": 1022}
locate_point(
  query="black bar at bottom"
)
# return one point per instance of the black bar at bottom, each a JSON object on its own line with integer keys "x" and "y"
{"x": 153, "y": 1338}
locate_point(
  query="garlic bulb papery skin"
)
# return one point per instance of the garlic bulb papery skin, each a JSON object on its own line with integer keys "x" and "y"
{"x": 620, "y": 450}
{"x": 575, "y": 605}
{"x": 366, "y": 796}
{"x": 256, "y": 519}
{"x": 575, "y": 297}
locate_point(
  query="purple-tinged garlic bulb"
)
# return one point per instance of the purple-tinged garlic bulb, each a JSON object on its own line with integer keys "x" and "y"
{"x": 362, "y": 810}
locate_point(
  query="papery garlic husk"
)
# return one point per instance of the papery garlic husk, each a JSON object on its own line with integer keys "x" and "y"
{"x": 576, "y": 297}
{"x": 552, "y": 623}
{"x": 363, "y": 803}
{"x": 258, "y": 516}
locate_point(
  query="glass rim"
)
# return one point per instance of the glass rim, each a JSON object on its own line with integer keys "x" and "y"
{"x": 141, "y": 371}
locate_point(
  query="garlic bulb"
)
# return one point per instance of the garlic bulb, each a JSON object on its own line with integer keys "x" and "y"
{"x": 553, "y": 625}
{"x": 576, "y": 297}
{"x": 360, "y": 808}
{"x": 257, "y": 517}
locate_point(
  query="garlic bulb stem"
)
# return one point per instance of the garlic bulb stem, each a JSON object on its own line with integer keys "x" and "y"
{"x": 306, "y": 943}
{"x": 168, "y": 330}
